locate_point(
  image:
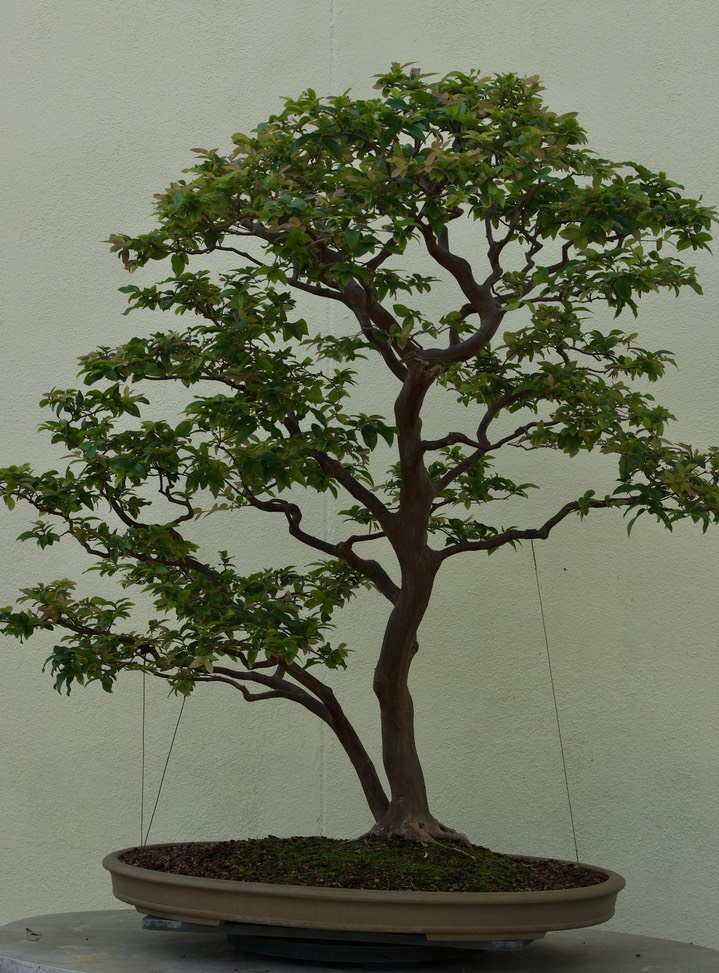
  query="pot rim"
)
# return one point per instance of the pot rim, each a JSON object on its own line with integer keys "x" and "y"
{"x": 614, "y": 883}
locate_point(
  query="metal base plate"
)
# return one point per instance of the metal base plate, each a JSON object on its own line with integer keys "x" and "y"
{"x": 372, "y": 951}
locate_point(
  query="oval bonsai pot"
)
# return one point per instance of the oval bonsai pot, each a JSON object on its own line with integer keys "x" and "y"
{"x": 439, "y": 916}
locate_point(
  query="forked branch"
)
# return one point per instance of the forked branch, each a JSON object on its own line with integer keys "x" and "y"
{"x": 344, "y": 550}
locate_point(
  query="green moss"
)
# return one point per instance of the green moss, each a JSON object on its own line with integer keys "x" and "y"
{"x": 368, "y": 863}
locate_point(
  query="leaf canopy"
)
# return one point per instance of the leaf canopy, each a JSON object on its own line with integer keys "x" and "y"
{"x": 327, "y": 200}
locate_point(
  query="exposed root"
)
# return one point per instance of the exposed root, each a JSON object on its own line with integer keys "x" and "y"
{"x": 449, "y": 834}
{"x": 424, "y": 832}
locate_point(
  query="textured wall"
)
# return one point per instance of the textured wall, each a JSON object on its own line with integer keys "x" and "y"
{"x": 103, "y": 102}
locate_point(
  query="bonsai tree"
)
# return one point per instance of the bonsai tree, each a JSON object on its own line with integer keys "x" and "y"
{"x": 484, "y": 258}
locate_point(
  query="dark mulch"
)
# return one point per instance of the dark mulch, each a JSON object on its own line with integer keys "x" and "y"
{"x": 369, "y": 863}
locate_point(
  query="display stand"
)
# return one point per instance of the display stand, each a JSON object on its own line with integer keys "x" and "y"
{"x": 115, "y": 942}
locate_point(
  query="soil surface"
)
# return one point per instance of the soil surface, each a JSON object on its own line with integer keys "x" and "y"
{"x": 366, "y": 863}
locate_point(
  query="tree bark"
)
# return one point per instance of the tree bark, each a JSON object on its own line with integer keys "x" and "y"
{"x": 408, "y": 810}
{"x": 408, "y": 814}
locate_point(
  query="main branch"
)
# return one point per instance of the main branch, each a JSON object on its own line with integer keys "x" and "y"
{"x": 535, "y": 533}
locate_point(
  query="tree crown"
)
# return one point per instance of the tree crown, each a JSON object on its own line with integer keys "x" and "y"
{"x": 330, "y": 199}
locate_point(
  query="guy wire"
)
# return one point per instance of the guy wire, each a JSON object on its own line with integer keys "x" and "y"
{"x": 142, "y": 776}
{"x": 164, "y": 770}
{"x": 554, "y": 697}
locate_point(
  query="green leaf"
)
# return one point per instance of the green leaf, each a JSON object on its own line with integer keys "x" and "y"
{"x": 179, "y": 261}
{"x": 184, "y": 428}
{"x": 178, "y": 200}
{"x": 402, "y": 310}
{"x": 369, "y": 435}
{"x": 622, "y": 287}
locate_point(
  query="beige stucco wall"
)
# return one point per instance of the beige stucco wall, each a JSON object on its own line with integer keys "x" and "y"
{"x": 103, "y": 102}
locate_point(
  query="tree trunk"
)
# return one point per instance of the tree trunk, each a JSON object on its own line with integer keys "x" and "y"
{"x": 408, "y": 814}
